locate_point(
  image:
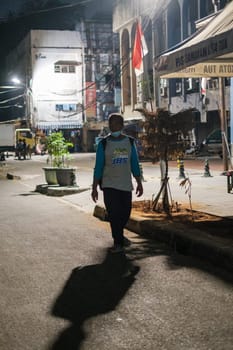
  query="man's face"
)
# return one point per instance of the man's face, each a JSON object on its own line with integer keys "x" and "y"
{"x": 115, "y": 125}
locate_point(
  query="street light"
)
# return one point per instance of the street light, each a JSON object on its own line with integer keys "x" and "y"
{"x": 18, "y": 82}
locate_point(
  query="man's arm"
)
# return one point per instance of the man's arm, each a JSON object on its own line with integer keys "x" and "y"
{"x": 139, "y": 188}
{"x": 98, "y": 170}
{"x": 136, "y": 171}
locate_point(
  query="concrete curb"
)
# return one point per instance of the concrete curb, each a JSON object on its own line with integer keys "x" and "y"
{"x": 58, "y": 191}
{"x": 12, "y": 177}
{"x": 192, "y": 242}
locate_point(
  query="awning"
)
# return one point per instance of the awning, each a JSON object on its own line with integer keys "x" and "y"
{"x": 67, "y": 63}
{"x": 208, "y": 53}
{"x": 56, "y": 125}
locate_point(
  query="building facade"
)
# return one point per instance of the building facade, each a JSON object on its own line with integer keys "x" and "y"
{"x": 102, "y": 62}
{"x": 166, "y": 25}
{"x": 71, "y": 78}
{"x": 50, "y": 63}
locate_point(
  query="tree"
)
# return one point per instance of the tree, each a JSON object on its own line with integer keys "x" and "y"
{"x": 165, "y": 136}
{"x": 58, "y": 149}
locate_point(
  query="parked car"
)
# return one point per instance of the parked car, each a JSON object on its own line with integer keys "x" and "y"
{"x": 213, "y": 143}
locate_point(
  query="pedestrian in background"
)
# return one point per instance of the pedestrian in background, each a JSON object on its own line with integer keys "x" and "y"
{"x": 116, "y": 162}
{"x": 24, "y": 149}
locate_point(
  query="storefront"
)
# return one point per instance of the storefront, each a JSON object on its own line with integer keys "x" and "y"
{"x": 207, "y": 53}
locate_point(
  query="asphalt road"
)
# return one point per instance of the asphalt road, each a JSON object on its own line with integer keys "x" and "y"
{"x": 60, "y": 288}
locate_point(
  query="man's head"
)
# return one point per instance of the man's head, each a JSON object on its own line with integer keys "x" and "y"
{"x": 116, "y": 122}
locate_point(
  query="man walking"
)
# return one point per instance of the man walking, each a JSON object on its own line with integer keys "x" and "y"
{"x": 116, "y": 162}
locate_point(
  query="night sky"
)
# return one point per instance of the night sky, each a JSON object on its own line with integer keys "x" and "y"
{"x": 58, "y": 15}
{"x": 10, "y": 5}
{"x": 13, "y": 30}
{"x": 15, "y": 6}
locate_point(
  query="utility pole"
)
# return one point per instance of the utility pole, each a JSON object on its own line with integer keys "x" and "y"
{"x": 223, "y": 123}
{"x": 222, "y": 112}
{"x": 231, "y": 119}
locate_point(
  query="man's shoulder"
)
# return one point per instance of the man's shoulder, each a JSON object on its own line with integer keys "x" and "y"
{"x": 109, "y": 138}
{"x": 130, "y": 138}
{"x": 103, "y": 139}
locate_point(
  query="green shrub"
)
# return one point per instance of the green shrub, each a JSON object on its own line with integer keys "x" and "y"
{"x": 58, "y": 149}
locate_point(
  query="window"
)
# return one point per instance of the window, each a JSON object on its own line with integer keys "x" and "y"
{"x": 191, "y": 85}
{"x": 64, "y": 68}
{"x": 66, "y": 107}
{"x": 178, "y": 87}
{"x": 57, "y": 69}
{"x": 71, "y": 69}
{"x": 163, "y": 87}
{"x": 212, "y": 83}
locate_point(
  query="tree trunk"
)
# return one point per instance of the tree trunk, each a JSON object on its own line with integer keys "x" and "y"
{"x": 165, "y": 199}
{"x": 164, "y": 187}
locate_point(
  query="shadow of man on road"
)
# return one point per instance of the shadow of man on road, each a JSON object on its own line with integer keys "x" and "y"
{"x": 91, "y": 291}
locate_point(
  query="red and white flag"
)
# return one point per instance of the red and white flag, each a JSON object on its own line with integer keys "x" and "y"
{"x": 203, "y": 87}
{"x": 139, "y": 50}
{"x": 203, "y": 100}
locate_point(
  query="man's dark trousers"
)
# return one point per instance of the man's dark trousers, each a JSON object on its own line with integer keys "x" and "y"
{"x": 118, "y": 205}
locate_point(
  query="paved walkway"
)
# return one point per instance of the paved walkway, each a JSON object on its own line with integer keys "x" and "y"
{"x": 209, "y": 194}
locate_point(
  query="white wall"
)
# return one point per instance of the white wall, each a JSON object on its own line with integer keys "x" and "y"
{"x": 50, "y": 88}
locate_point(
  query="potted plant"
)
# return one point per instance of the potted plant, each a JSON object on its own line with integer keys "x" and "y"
{"x": 59, "y": 171}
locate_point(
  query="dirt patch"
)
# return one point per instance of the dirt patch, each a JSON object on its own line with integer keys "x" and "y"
{"x": 211, "y": 224}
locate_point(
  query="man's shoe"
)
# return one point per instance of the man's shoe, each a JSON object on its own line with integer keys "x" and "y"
{"x": 117, "y": 249}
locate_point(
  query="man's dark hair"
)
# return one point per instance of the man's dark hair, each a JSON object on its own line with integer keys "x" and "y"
{"x": 117, "y": 117}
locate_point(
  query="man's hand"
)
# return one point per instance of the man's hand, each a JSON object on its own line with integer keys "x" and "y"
{"x": 139, "y": 189}
{"x": 94, "y": 195}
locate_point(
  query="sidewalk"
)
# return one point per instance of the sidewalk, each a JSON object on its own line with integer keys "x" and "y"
{"x": 209, "y": 195}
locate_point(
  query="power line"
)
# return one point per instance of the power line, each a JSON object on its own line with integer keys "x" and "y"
{"x": 9, "y": 106}
{"x": 11, "y": 99}
{"x": 10, "y": 121}
{"x": 6, "y": 20}
{"x": 9, "y": 89}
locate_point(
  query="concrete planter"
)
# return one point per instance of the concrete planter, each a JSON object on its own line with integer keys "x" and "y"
{"x": 50, "y": 175}
{"x": 66, "y": 176}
